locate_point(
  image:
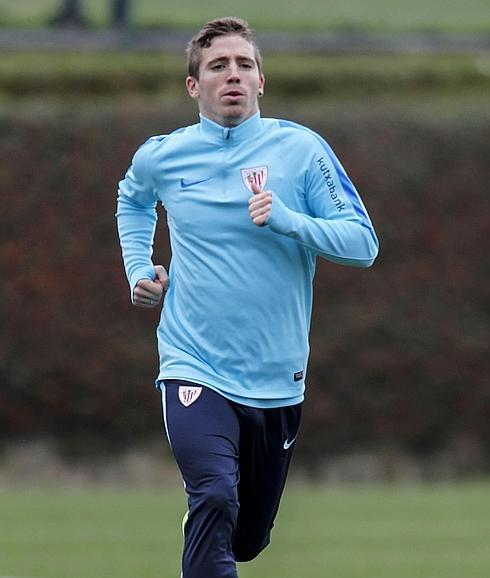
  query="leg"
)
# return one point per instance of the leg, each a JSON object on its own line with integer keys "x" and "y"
{"x": 204, "y": 437}
{"x": 265, "y": 454}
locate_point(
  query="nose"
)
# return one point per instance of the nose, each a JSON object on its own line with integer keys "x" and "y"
{"x": 233, "y": 73}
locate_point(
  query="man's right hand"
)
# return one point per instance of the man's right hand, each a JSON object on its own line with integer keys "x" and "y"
{"x": 148, "y": 293}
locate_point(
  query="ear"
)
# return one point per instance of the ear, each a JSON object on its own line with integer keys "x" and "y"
{"x": 192, "y": 85}
{"x": 261, "y": 85}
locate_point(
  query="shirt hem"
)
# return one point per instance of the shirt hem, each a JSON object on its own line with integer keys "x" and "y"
{"x": 261, "y": 403}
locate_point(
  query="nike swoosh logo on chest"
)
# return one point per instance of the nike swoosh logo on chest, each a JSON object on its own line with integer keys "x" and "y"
{"x": 185, "y": 184}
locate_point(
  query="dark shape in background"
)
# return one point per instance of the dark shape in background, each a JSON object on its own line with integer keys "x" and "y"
{"x": 70, "y": 13}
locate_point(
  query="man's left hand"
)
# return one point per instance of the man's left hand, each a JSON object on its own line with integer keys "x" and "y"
{"x": 259, "y": 205}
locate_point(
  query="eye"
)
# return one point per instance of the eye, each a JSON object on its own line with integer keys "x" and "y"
{"x": 218, "y": 66}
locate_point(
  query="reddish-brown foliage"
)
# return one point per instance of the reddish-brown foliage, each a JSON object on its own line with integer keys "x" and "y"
{"x": 399, "y": 352}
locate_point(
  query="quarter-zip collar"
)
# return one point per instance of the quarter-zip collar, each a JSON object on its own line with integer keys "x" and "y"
{"x": 246, "y": 130}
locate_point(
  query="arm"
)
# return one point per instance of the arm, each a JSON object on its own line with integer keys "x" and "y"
{"x": 337, "y": 226}
{"x": 136, "y": 221}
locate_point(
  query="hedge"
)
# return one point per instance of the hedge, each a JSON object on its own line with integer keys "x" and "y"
{"x": 399, "y": 352}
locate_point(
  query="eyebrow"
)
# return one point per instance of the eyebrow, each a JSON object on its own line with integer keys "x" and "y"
{"x": 226, "y": 59}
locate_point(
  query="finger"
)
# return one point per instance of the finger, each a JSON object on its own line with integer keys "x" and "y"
{"x": 256, "y": 190}
{"x": 260, "y": 221}
{"x": 146, "y": 284}
{"x": 260, "y": 203}
{"x": 146, "y": 298}
{"x": 143, "y": 305}
{"x": 143, "y": 293}
{"x": 146, "y": 302}
{"x": 257, "y": 212}
{"x": 262, "y": 214}
{"x": 260, "y": 196}
{"x": 267, "y": 202}
{"x": 162, "y": 276}
{"x": 151, "y": 288}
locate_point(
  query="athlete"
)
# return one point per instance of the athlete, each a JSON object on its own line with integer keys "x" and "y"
{"x": 251, "y": 202}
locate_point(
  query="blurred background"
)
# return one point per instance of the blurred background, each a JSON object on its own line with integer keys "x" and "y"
{"x": 398, "y": 386}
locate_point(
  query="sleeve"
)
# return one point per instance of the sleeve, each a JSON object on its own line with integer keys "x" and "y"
{"x": 136, "y": 217}
{"x": 337, "y": 225}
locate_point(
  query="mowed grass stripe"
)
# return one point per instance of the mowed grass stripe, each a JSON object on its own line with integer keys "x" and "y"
{"x": 356, "y": 532}
{"x": 378, "y": 15}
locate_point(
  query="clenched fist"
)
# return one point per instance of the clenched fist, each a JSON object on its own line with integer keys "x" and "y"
{"x": 148, "y": 293}
{"x": 259, "y": 205}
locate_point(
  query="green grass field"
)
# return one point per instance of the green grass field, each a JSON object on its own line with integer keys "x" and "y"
{"x": 378, "y": 15}
{"x": 353, "y": 532}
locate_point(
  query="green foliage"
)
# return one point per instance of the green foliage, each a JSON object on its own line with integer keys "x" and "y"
{"x": 436, "y": 531}
{"x": 119, "y": 75}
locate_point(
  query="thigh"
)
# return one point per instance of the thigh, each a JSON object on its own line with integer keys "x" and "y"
{"x": 266, "y": 448}
{"x": 202, "y": 429}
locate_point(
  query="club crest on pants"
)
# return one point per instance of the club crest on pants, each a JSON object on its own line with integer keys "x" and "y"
{"x": 188, "y": 394}
{"x": 256, "y": 175}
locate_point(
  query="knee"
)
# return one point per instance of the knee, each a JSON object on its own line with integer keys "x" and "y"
{"x": 220, "y": 495}
{"x": 247, "y": 551}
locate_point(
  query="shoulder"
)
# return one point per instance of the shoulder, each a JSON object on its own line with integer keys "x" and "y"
{"x": 145, "y": 151}
{"x": 289, "y": 131}
{"x": 299, "y": 142}
{"x": 159, "y": 143}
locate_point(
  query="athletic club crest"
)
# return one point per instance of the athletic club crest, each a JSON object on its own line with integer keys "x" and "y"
{"x": 257, "y": 175}
{"x": 188, "y": 394}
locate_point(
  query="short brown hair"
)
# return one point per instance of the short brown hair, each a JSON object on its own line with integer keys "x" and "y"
{"x": 213, "y": 29}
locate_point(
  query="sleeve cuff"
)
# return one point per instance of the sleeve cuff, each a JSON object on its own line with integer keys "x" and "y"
{"x": 280, "y": 217}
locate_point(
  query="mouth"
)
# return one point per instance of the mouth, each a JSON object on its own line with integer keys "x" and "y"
{"x": 233, "y": 94}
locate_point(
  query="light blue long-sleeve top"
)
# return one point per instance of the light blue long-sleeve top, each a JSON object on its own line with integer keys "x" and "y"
{"x": 237, "y": 312}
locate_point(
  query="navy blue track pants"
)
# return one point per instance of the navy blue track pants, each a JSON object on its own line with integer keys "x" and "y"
{"x": 234, "y": 461}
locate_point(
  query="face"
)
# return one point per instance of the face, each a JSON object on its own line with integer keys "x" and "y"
{"x": 229, "y": 81}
